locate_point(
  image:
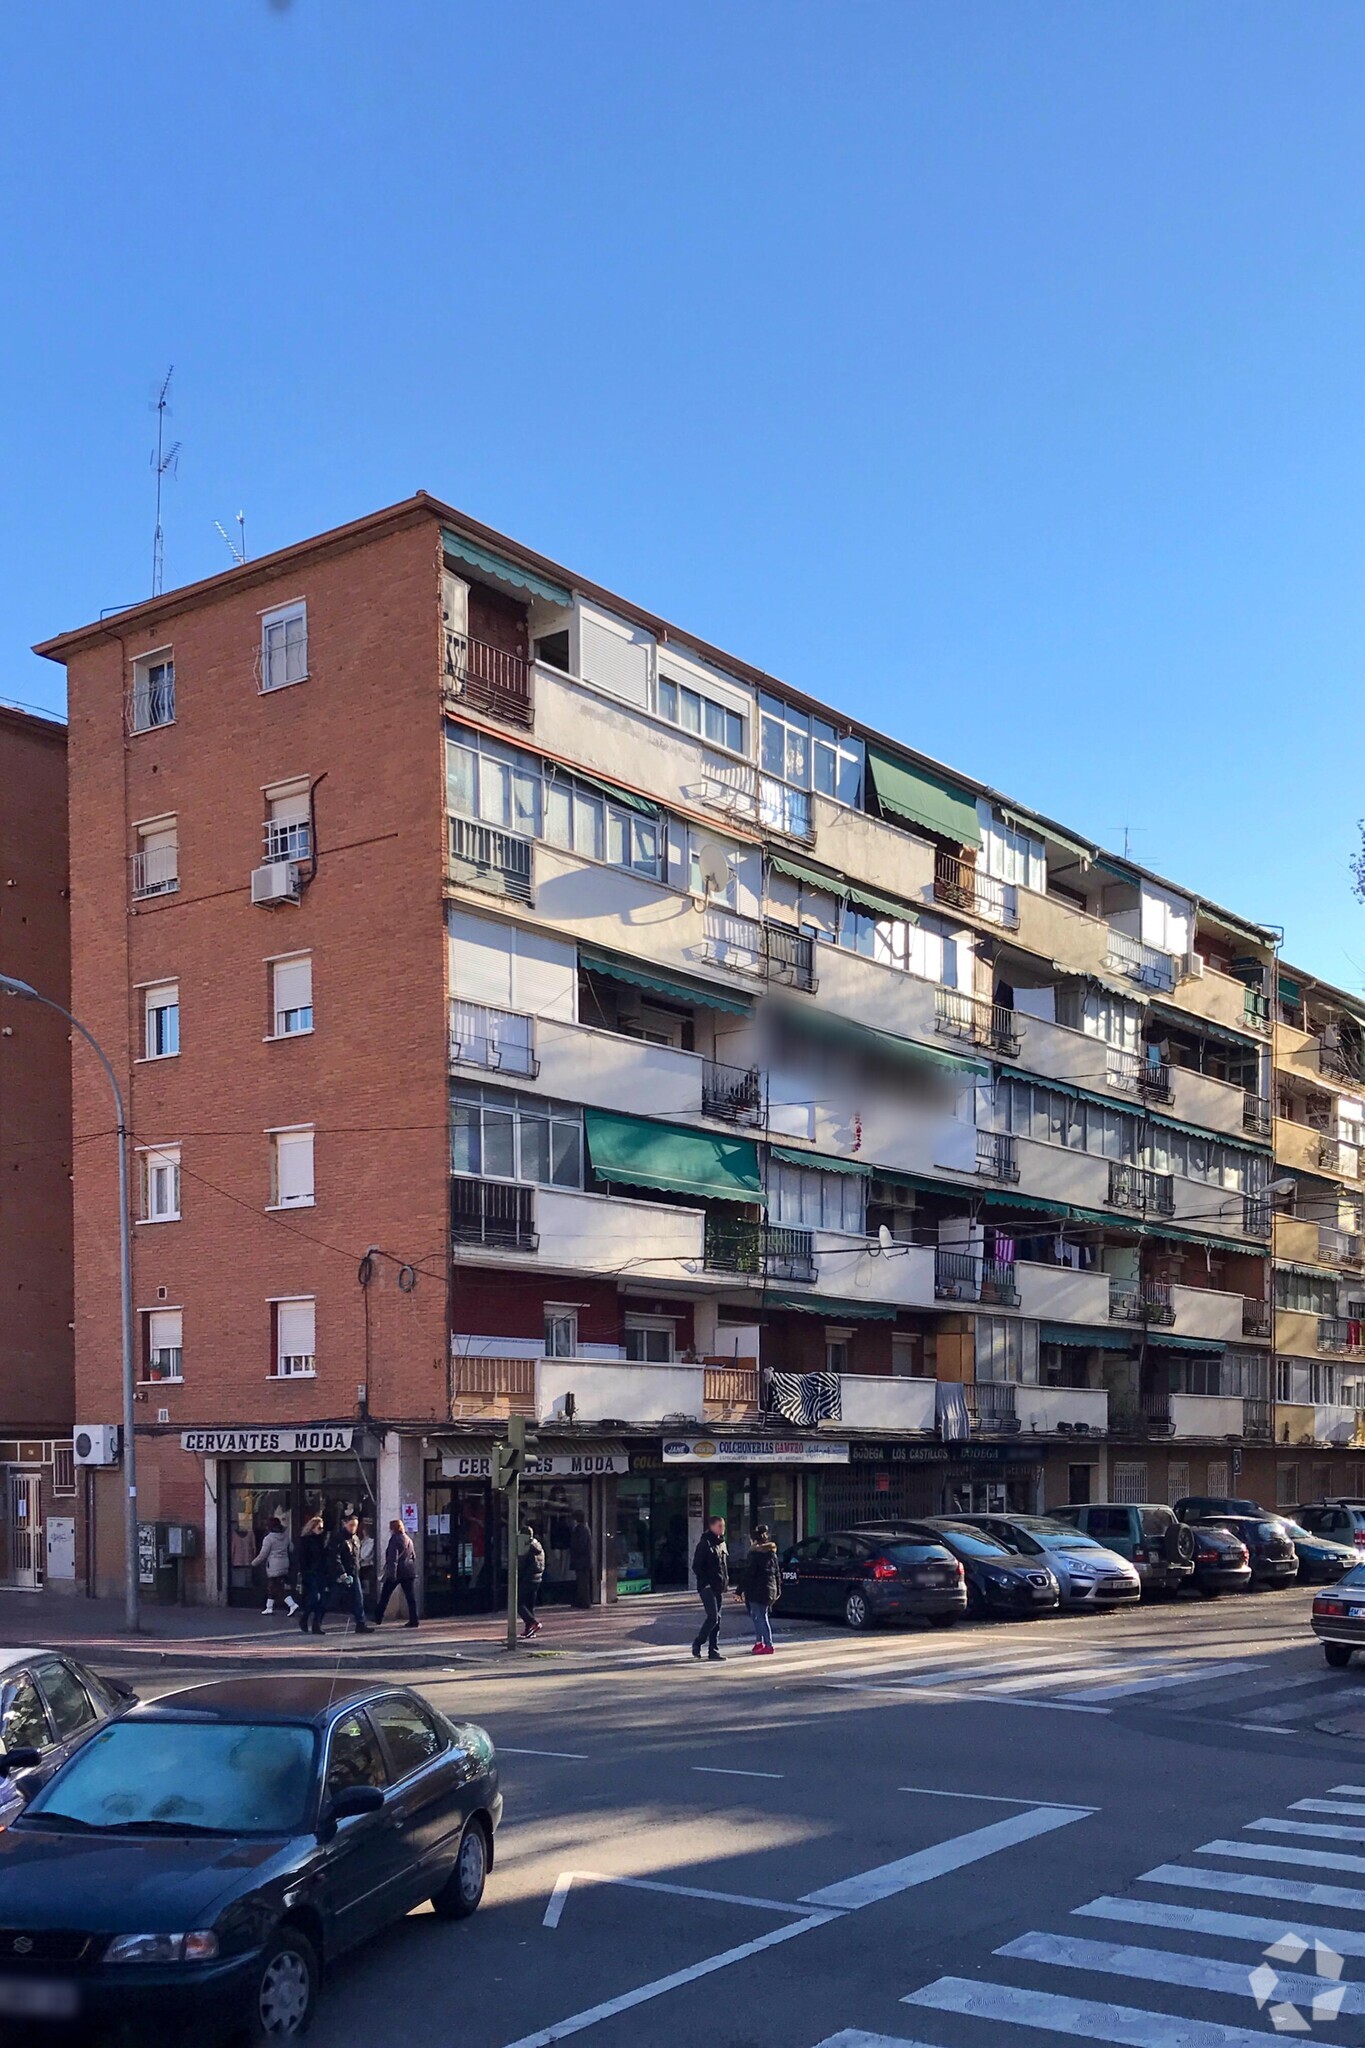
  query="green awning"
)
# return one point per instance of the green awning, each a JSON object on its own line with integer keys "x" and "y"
{"x": 921, "y": 797}
{"x": 1208, "y": 1242}
{"x": 1120, "y": 869}
{"x": 995, "y": 1198}
{"x": 831, "y": 1310}
{"x": 1307, "y": 1272}
{"x": 680, "y": 1161}
{"x": 610, "y": 790}
{"x": 617, "y": 969}
{"x": 504, "y": 571}
{"x": 1131, "y": 1107}
{"x": 1082, "y": 1339}
{"x": 825, "y": 1162}
{"x": 1290, "y": 992}
{"x": 1161, "y": 1340}
{"x": 840, "y": 887}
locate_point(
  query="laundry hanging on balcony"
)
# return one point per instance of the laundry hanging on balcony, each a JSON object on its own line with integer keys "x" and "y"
{"x": 806, "y": 1397}
{"x": 950, "y": 1413}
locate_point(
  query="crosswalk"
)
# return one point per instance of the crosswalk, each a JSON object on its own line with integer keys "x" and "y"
{"x": 1242, "y": 1945}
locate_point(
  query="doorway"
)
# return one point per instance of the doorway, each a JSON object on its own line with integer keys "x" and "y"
{"x": 21, "y": 1557}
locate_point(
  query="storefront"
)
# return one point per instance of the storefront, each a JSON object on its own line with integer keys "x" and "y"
{"x": 747, "y": 1480}
{"x": 292, "y": 1475}
{"x": 910, "y": 1480}
{"x": 465, "y": 1520}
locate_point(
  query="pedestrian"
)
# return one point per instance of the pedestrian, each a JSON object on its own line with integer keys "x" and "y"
{"x": 273, "y": 1555}
{"x": 315, "y": 1574}
{"x": 530, "y": 1572}
{"x": 400, "y": 1569}
{"x": 580, "y": 1558}
{"x": 761, "y": 1586}
{"x": 346, "y": 1571}
{"x": 711, "y": 1570}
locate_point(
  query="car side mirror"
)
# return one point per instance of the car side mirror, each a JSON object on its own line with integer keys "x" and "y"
{"x": 346, "y": 1804}
{"x": 23, "y": 1758}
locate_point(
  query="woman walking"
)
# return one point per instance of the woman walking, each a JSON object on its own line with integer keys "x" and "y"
{"x": 273, "y": 1556}
{"x": 314, "y": 1574}
{"x": 761, "y": 1585}
{"x": 530, "y": 1572}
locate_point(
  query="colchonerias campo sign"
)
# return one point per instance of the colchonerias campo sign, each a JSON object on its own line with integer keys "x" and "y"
{"x": 748, "y": 1450}
{"x": 320, "y": 1442}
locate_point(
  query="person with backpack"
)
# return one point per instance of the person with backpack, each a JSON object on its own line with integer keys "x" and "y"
{"x": 711, "y": 1570}
{"x": 273, "y": 1555}
{"x": 530, "y": 1572}
{"x": 760, "y": 1585}
{"x": 400, "y": 1569}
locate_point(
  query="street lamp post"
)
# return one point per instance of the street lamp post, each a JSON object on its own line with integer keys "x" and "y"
{"x": 11, "y": 985}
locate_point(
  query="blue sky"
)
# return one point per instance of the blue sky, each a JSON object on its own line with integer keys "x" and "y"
{"x": 991, "y": 369}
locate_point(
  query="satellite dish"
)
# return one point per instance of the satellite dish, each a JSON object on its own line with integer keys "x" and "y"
{"x": 713, "y": 864}
{"x": 884, "y": 1237}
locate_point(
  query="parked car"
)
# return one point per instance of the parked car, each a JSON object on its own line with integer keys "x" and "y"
{"x": 1319, "y": 1557}
{"x": 1196, "y": 1507}
{"x": 1222, "y": 1563}
{"x": 1339, "y": 1617}
{"x": 1340, "y": 1521}
{"x": 999, "y": 1580}
{"x": 866, "y": 1576}
{"x": 1087, "y": 1574}
{"x": 51, "y": 1704}
{"x": 1273, "y": 1558}
{"x": 202, "y": 1859}
{"x": 1147, "y": 1534}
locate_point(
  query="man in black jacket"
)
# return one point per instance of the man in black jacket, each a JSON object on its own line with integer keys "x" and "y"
{"x": 346, "y": 1571}
{"x": 711, "y": 1569}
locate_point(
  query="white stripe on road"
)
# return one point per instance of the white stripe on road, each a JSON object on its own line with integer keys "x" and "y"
{"x": 1324, "y": 1830}
{"x": 1082, "y": 2017}
{"x": 1189, "y": 1675}
{"x": 1350, "y": 1791}
{"x": 1057, "y": 1675}
{"x": 997, "y": 1798}
{"x": 1347, "y": 1941}
{"x": 715, "y": 1771}
{"x": 1165, "y": 1966}
{"x": 1327, "y": 1806}
{"x": 569, "y": 1756}
{"x": 853, "y": 2038}
{"x": 555, "y": 1910}
{"x": 954, "y": 1854}
{"x": 1295, "y": 1891}
{"x": 1293, "y": 1858}
{"x": 960, "y": 1694}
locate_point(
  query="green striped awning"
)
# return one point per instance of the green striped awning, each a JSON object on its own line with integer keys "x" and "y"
{"x": 1162, "y": 1340}
{"x": 842, "y": 888}
{"x": 613, "y": 792}
{"x": 671, "y": 1157}
{"x": 824, "y": 1162}
{"x": 1083, "y": 1339}
{"x": 921, "y": 797}
{"x": 831, "y": 1310}
{"x": 503, "y": 571}
{"x": 617, "y": 969}
{"x": 995, "y": 1198}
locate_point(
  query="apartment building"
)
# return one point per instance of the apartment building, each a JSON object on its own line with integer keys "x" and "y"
{"x": 529, "y": 1009}
{"x": 37, "y": 1477}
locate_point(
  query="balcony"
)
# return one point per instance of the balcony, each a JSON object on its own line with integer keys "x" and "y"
{"x": 151, "y": 701}
{"x": 759, "y": 1250}
{"x": 156, "y": 871}
{"x": 1340, "y": 1247}
{"x": 587, "y": 1390}
{"x": 1258, "y": 1115}
{"x": 789, "y": 956}
{"x": 1146, "y": 1302}
{"x": 1257, "y": 1215}
{"x": 1147, "y": 1079}
{"x": 489, "y": 1389}
{"x": 991, "y": 1407}
{"x": 1337, "y": 1060}
{"x": 733, "y": 1095}
{"x": 1257, "y": 1319}
{"x": 1207, "y": 1312}
{"x": 488, "y": 679}
{"x": 493, "y": 1214}
{"x": 1142, "y": 964}
{"x": 1065, "y": 1411}
{"x": 499, "y": 1041}
{"x": 982, "y": 1023}
{"x": 1135, "y": 1187}
{"x": 730, "y": 1392}
{"x": 1206, "y": 1415}
{"x": 963, "y": 886}
{"x": 1256, "y": 1010}
{"x": 874, "y": 1401}
{"x": 1258, "y": 1421}
{"x": 963, "y": 1276}
{"x": 486, "y": 858}
{"x": 997, "y": 1156}
{"x": 1342, "y": 1334}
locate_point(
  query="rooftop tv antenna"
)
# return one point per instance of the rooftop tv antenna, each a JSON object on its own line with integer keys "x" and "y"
{"x": 236, "y": 548}
{"x": 164, "y": 463}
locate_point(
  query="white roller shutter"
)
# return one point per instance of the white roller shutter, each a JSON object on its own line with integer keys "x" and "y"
{"x": 293, "y": 1168}
{"x": 481, "y": 954}
{"x": 615, "y": 656}
{"x": 1166, "y": 920}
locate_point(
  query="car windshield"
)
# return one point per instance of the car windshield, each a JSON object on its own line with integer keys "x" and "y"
{"x": 1355, "y": 1577}
{"x": 975, "y": 1544}
{"x": 191, "y": 1777}
{"x": 1299, "y": 1533}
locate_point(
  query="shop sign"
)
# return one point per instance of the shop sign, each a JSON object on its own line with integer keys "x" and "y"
{"x": 585, "y": 1464}
{"x": 995, "y": 1454}
{"x": 634, "y": 1584}
{"x": 898, "y": 1454}
{"x": 267, "y": 1443}
{"x": 746, "y": 1450}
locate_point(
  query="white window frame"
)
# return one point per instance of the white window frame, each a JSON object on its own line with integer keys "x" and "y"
{"x": 147, "y": 830}
{"x": 807, "y": 1197}
{"x": 151, "y": 1008}
{"x": 145, "y": 1374}
{"x": 651, "y": 1326}
{"x": 561, "y": 1316}
{"x": 674, "y": 703}
{"x": 154, "y": 1160}
{"x": 297, "y": 1372}
{"x": 290, "y": 835}
{"x": 291, "y": 1134}
{"x": 154, "y": 663}
{"x": 276, "y": 1013}
{"x": 282, "y": 616}
{"x": 838, "y": 1349}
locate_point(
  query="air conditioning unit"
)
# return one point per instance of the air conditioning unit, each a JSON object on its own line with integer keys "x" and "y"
{"x": 276, "y": 882}
{"x": 1193, "y": 967}
{"x": 96, "y": 1443}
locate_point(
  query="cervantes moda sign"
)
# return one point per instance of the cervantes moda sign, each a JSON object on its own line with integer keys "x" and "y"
{"x": 324, "y": 1440}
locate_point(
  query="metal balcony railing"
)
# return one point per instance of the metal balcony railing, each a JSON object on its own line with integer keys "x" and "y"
{"x": 1337, "y": 1059}
{"x": 998, "y": 1284}
{"x": 734, "y": 1095}
{"x": 991, "y": 1407}
{"x": 1256, "y": 1009}
{"x": 1136, "y": 1187}
{"x": 1257, "y": 1115}
{"x": 501, "y": 1040}
{"x": 1341, "y": 1333}
{"x": 789, "y": 956}
{"x": 997, "y": 1155}
{"x": 1143, "y": 964}
{"x": 151, "y": 701}
{"x": 483, "y": 857}
{"x": 1257, "y": 1215}
{"x": 1257, "y": 1318}
{"x": 1157, "y": 1419}
{"x": 493, "y": 1213}
{"x": 980, "y": 1022}
{"x": 156, "y": 871}
{"x": 955, "y": 1275}
{"x": 1339, "y": 1156}
{"x": 963, "y": 886}
{"x": 1343, "y": 1246}
{"x": 489, "y": 678}
{"x": 765, "y": 1250}
{"x": 1258, "y": 1424}
{"x": 1141, "y": 1301}
{"x": 1154, "y": 1081}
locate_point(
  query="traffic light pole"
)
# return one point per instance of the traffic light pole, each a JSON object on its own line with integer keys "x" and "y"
{"x": 513, "y": 1558}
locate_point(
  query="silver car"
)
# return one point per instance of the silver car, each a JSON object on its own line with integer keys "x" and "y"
{"x": 1087, "y": 1573}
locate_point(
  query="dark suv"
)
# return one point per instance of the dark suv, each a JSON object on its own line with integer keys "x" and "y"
{"x": 1147, "y": 1534}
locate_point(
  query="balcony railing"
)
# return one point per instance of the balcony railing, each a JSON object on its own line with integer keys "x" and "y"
{"x": 500, "y": 1040}
{"x": 998, "y": 1284}
{"x": 1258, "y": 1424}
{"x": 963, "y": 886}
{"x": 1256, "y": 1009}
{"x": 1135, "y": 1187}
{"x": 991, "y": 1406}
{"x": 1141, "y": 1301}
{"x": 997, "y": 1155}
{"x": 488, "y": 678}
{"x": 764, "y": 1250}
{"x": 1257, "y": 1115}
{"x": 1157, "y": 1419}
{"x": 730, "y": 1386}
{"x": 1341, "y": 1333}
{"x": 980, "y": 1022}
{"x": 151, "y": 701}
{"x": 1342, "y": 1246}
{"x": 1257, "y": 1318}
{"x": 483, "y": 857}
{"x": 1143, "y": 964}
{"x": 734, "y": 1095}
{"x": 955, "y": 1275}
{"x": 494, "y": 1214}
{"x": 1257, "y": 1215}
{"x": 493, "y": 1384}
{"x": 1139, "y": 1076}
{"x": 1335, "y": 1059}
{"x": 789, "y": 956}
{"x": 156, "y": 871}
{"x": 1339, "y": 1156}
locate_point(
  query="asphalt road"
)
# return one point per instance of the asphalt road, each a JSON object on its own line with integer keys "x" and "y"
{"x": 780, "y": 1852}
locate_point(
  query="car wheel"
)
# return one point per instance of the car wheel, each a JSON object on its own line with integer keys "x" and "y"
{"x": 1337, "y": 1654}
{"x": 857, "y": 1613}
{"x": 459, "y": 1896}
{"x": 286, "y": 1990}
{"x": 940, "y": 1620}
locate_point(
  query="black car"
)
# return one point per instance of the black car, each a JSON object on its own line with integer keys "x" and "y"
{"x": 198, "y": 1862}
{"x": 52, "y": 1704}
{"x": 999, "y": 1580}
{"x": 1274, "y": 1560}
{"x": 1197, "y": 1507}
{"x": 1339, "y": 1617}
{"x": 877, "y": 1574}
{"x": 1222, "y": 1563}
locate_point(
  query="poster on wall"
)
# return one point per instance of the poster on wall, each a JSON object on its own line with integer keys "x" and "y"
{"x": 146, "y": 1553}
{"x": 410, "y": 1521}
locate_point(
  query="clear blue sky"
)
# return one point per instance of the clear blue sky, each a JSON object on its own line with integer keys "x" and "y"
{"x": 990, "y": 367}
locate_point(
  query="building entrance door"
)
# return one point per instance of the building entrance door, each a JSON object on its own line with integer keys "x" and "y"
{"x": 464, "y": 1547}
{"x": 23, "y": 1531}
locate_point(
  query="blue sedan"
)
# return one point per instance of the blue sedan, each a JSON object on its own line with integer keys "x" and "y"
{"x": 1319, "y": 1557}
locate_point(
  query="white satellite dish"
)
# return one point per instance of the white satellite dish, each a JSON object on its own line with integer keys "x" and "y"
{"x": 884, "y": 1237}
{"x": 713, "y": 864}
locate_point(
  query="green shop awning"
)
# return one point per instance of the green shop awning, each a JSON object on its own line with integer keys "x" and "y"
{"x": 923, "y": 798}
{"x": 617, "y": 969}
{"x": 826, "y": 1162}
{"x": 1082, "y": 1339}
{"x": 643, "y": 1154}
{"x": 833, "y": 1311}
{"x": 610, "y": 790}
{"x": 846, "y": 891}
{"x": 502, "y": 570}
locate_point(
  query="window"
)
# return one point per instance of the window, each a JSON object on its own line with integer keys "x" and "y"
{"x": 561, "y": 1331}
{"x": 1201, "y": 1376}
{"x": 162, "y": 1354}
{"x": 695, "y": 712}
{"x": 1032, "y": 1110}
{"x": 838, "y": 1351}
{"x": 587, "y": 822}
{"x": 797, "y": 753}
{"x": 284, "y": 646}
{"x": 1011, "y": 854}
{"x": 156, "y": 863}
{"x": 288, "y": 832}
{"x": 63, "y": 1470}
{"x": 153, "y": 700}
{"x": 1294, "y": 1380}
{"x": 295, "y": 1338}
{"x": 484, "y": 1037}
{"x": 924, "y": 949}
{"x": 1305, "y": 1292}
{"x": 1007, "y": 1349}
{"x": 500, "y": 1136}
{"x": 68, "y": 1702}
{"x": 354, "y": 1757}
{"x": 161, "y": 1185}
{"x": 1130, "y": 1483}
{"x": 291, "y": 996}
{"x": 649, "y": 1340}
{"x": 23, "y": 1723}
{"x": 161, "y": 1011}
{"x": 409, "y": 1734}
{"x": 291, "y": 1169}
{"x": 1079, "y": 1480}
{"x": 804, "y": 1198}
{"x": 493, "y": 783}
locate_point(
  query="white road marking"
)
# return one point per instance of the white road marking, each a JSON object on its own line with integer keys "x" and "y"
{"x": 555, "y": 1910}
{"x": 998, "y": 1798}
{"x": 1352, "y": 1791}
{"x": 1082, "y": 2017}
{"x": 1324, "y": 1830}
{"x": 570, "y": 1756}
{"x": 1189, "y": 1675}
{"x": 715, "y": 1771}
{"x": 1165, "y": 1966}
{"x": 852, "y": 2038}
{"x": 1347, "y": 1941}
{"x": 983, "y": 1699}
{"x": 1059, "y": 1675}
{"x": 1327, "y": 1806}
{"x": 926, "y": 1864}
{"x": 1292, "y": 1858}
{"x": 1295, "y": 1891}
